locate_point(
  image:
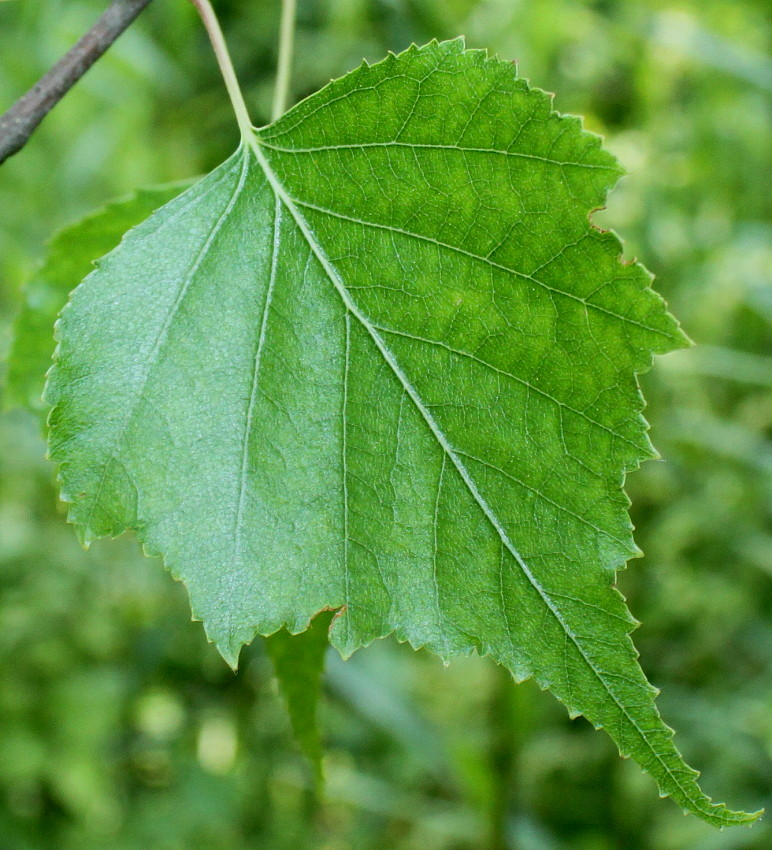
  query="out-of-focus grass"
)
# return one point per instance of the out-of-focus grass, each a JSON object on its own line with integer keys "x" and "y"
{"x": 119, "y": 726}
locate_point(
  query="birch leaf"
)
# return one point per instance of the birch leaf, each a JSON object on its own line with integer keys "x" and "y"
{"x": 380, "y": 361}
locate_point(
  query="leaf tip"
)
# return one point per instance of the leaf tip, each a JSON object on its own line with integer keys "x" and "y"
{"x": 230, "y": 653}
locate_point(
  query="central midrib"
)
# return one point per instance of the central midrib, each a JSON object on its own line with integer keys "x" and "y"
{"x": 331, "y": 271}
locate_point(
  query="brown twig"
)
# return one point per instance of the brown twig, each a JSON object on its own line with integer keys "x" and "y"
{"x": 21, "y": 120}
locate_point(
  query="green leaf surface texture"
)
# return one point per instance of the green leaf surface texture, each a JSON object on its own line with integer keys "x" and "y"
{"x": 380, "y": 361}
{"x": 69, "y": 259}
{"x": 298, "y": 661}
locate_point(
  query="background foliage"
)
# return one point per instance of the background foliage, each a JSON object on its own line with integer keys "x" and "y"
{"x": 121, "y": 728}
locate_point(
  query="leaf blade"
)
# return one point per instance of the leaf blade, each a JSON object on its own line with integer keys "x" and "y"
{"x": 453, "y": 381}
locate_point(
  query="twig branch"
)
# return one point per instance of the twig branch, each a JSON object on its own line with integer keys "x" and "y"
{"x": 21, "y": 120}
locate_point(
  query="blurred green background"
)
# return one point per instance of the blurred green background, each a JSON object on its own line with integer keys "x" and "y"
{"x": 121, "y": 728}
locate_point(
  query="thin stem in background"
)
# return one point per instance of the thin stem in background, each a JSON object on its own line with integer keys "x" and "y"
{"x": 23, "y": 118}
{"x": 509, "y": 716}
{"x": 212, "y": 25}
{"x": 284, "y": 66}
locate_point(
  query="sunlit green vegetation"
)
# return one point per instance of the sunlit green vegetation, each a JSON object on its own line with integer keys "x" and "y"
{"x": 121, "y": 728}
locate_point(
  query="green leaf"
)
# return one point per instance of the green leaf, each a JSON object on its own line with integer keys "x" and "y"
{"x": 299, "y": 662}
{"x": 380, "y": 361}
{"x": 69, "y": 259}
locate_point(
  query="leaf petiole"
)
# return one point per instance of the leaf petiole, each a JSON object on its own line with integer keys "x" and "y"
{"x": 212, "y": 25}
